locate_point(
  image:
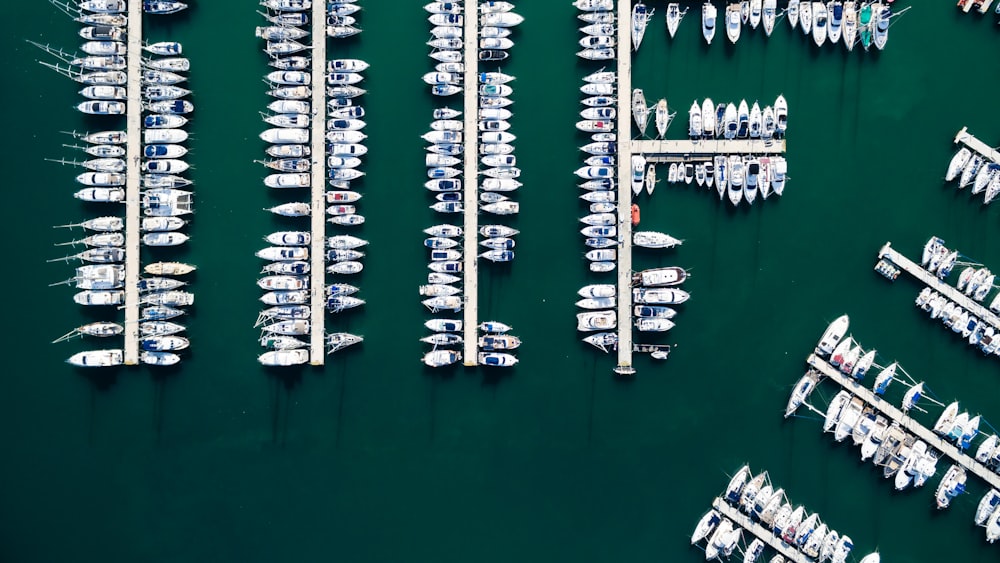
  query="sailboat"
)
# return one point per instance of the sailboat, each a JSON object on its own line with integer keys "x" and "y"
{"x": 674, "y": 17}
{"x": 641, "y": 14}
{"x": 768, "y": 16}
{"x": 640, "y": 111}
{"x": 662, "y": 117}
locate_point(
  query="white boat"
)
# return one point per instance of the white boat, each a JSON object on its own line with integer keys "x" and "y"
{"x": 640, "y": 111}
{"x": 803, "y": 388}
{"x": 291, "y": 357}
{"x": 835, "y": 23}
{"x": 444, "y": 325}
{"x": 97, "y": 358}
{"x": 695, "y": 126}
{"x": 881, "y": 25}
{"x": 596, "y": 320}
{"x": 850, "y": 31}
{"x": 500, "y": 19}
{"x": 164, "y": 239}
{"x": 345, "y": 242}
{"x": 805, "y": 16}
{"x": 780, "y": 115}
{"x": 832, "y": 335}
{"x": 293, "y": 209}
{"x": 951, "y": 485}
{"x": 662, "y": 117}
{"x": 958, "y": 163}
{"x": 820, "y": 23}
{"x": 102, "y": 195}
{"x": 833, "y": 410}
{"x": 439, "y": 358}
{"x": 283, "y": 135}
{"x": 674, "y": 17}
{"x": 641, "y": 15}
{"x": 989, "y": 504}
{"x": 638, "y": 173}
{"x": 660, "y": 277}
{"x": 659, "y": 296}
{"x": 733, "y": 22}
{"x": 169, "y": 269}
{"x": 709, "y": 15}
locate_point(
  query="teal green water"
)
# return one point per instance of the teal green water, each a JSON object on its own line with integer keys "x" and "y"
{"x": 373, "y": 458}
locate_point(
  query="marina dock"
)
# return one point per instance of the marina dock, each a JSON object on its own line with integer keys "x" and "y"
{"x": 759, "y": 531}
{"x": 133, "y": 148}
{"x": 976, "y": 145}
{"x": 681, "y": 150}
{"x": 949, "y": 291}
{"x": 470, "y": 179}
{"x": 317, "y": 267}
{"x": 907, "y": 423}
{"x": 624, "y": 162}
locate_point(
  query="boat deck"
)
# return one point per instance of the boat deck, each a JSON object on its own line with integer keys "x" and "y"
{"x": 625, "y": 146}
{"x": 949, "y": 291}
{"x": 661, "y": 150}
{"x": 317, "y": 283}
{"x": 906, "y": 422}
{"x": 470, "y": 184}
{"x": 133, "y": 148}
{"x": 759, "y": 531}
{"x": 976, "y": 145}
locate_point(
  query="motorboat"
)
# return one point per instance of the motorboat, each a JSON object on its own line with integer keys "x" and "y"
{"x": 881, "y": 27}
{"x": 709, "y": 14}
{"x": 695, "y": 126}
{"x": 440, "y": 358}
{"x": 820, "y": 22}
{"x": 280, "y": 358}
{"x": 850, "y": 31}
{"x": 952, "y": 485}
{"x": 596, "y": 320}
{"x": 659, "y": 296}
{"x": 97, "y": 358}
{"x": 733, "y": 22}
{"x": 660, "y": 277}
{"x": 444, "y": 325}
{"x": 988, "y": 505}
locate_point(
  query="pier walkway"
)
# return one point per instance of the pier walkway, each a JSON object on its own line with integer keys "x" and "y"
{"x": 317, "y": 267}
{"x": 906, "y": 422}
{"x": 682, "y": 149}
{"x": 976, "y": 145}
{"x": 133, "y": 177}
{"x": 470, "y": 181}
{"x": 624, "y": 122}
{"x": 754, "y": 528}
{"x": 929, "y": 279}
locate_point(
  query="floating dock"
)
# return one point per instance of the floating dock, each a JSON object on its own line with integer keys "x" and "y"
{"x": 906, "y": 422}
{"x": 967, "y": 139}
{"x": 929, "y": 279}
{"x": 470, "y": 181}
{"x": 133, "y": 177}
{"x": 317, "y": 267}
{"x": 683, "y": 150}
{"x": 625, "y": 146}
{"x": 759, "y": 531}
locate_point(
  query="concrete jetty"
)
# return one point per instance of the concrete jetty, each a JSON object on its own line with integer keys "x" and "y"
{"x": 938, "y": 285}
{"x": 906, "y": 422}
{"x": 317, "y": 282}
{"x": 661, "y": 150}
{"x": 756, "y": 529}
{"x": 470, "y": 184}
{"x": 624, "y": 163}
{"x": 967, "y": 139}
{"x": 133, "y": 177}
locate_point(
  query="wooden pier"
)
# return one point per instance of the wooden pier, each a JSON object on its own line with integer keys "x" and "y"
{"x": 976, "y": 145}
{"x": 133, "y": 177}
{"x": 756, "y": 529}
{"x": 317, "y": 267}
{"x": 929, "y": 279}
{"x": 906, "y": 422}
{"x": 470, "y": 185}
{"x": 624, "y": 122}
{"x": 683, "y": 150}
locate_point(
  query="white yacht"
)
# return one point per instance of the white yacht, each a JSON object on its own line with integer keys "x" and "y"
{"x": 97, "y": 358}
{"x": 709, "y": 15}
{"x": 596, "y": 320}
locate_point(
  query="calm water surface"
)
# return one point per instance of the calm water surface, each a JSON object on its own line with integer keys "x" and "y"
{"x": 373, "y": 458}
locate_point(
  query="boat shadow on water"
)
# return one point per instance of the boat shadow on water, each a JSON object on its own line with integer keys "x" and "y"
{"x": 102, "y": 379}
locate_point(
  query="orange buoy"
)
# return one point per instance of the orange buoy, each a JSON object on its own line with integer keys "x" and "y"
{"x": 635, "y": 214}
